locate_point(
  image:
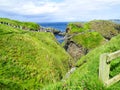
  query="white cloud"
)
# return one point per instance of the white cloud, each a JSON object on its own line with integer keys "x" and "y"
{"x": 86, "y": 9}
{"x": 28, "y": 7}
{"x": 31, "y": 9}
{"x": 64, "y": 10}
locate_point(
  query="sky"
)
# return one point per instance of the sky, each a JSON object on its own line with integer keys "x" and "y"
{"x": 59, "y": 10}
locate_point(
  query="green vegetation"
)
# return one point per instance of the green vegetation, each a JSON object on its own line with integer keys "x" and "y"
{"x": 78, "y": 27}
{"x": 21, "y": 25}
{"x": 106, "y": 28}
{"x": 35, "y": 61}
{"x": 88, "y": 40}
{"x": 91, "y": 36}
{"x": 30, "y": 60}
{"x": 115, "y": 67}
{"x": 86, "y": 75}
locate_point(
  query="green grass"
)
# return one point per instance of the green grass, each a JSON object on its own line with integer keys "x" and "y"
{"x": 78, "y": 27}
{"x": 89, "y": 40}
{"x": 114, "y": 67}
{"x": 106, "y": 28}
{"x": 30, "y": 60}
{"x": 86, "y": 76}
{"x": 35, "y": 61}
{"x": 24, "y": 25}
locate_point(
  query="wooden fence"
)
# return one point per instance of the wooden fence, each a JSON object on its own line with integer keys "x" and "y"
{"x": 104, "y": 68}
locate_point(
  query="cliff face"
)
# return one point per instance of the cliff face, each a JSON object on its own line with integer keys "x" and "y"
{"x": 76, "y": 51}
{"x": 86, "y": 36}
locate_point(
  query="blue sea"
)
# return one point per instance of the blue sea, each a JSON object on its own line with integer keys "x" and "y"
{"x": 57, "y": 25}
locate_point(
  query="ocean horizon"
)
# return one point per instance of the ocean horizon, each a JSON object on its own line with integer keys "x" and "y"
{"x": 61, "y": 26}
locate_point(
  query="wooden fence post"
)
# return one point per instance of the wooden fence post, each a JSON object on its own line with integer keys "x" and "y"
{"x": 104, "y": 68}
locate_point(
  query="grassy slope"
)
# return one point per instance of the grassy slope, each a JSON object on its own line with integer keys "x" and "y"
{"x": 89, "y": 40}
{"x": 78, "y": 27}
{"x": 84, "y": 36}
{"x": 30, "y": 60}
{"x": 25, "y": 25}
{"x": 86, "y": 76}
{"x": 106, "y": 28}
{"x": 92, "y": 34}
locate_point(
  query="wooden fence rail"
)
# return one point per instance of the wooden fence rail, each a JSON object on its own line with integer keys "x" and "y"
{"x": 104, "y": 68}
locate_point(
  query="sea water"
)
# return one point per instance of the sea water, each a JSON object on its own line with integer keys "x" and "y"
{"x": 61, "y": 26}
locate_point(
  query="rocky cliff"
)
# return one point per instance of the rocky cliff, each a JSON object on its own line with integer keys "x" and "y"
{"x": 83, "y": 37}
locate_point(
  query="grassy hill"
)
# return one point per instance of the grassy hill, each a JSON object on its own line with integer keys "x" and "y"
{"x": 21, "y": 25}
{"x": 34, "y": 60}
{"x": 81, "y": 37}
{"x": 88, "y": 40}
{"x": 86, "y": 75}
{"x": 77, "y": 27}
{"x": 106, "y": 28}
{"x": 30, "y": 60}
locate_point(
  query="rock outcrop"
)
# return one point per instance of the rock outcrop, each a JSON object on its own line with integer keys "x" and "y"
{"x": 83, "y": 37}
{"x": 49, "y": 29}
{"x": 78, "y": 45}
{"x": 107, "y": 29}
{"x": 76, "y": 51}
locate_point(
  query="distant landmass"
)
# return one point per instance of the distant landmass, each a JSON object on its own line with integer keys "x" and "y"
{"x": 115, "y": 20}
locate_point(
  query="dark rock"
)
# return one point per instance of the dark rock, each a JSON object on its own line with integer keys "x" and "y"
{"x": 61, "y": 33}
{"x": 78, "y": 45}
{"x": 67, "y": 30}
{"x": 74, "y": 50}
{"x": 55, "y": 31}
{"x": 24, "y": 28}
{"x": 49, "y": 29}
{"x": 1, "y": 22}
